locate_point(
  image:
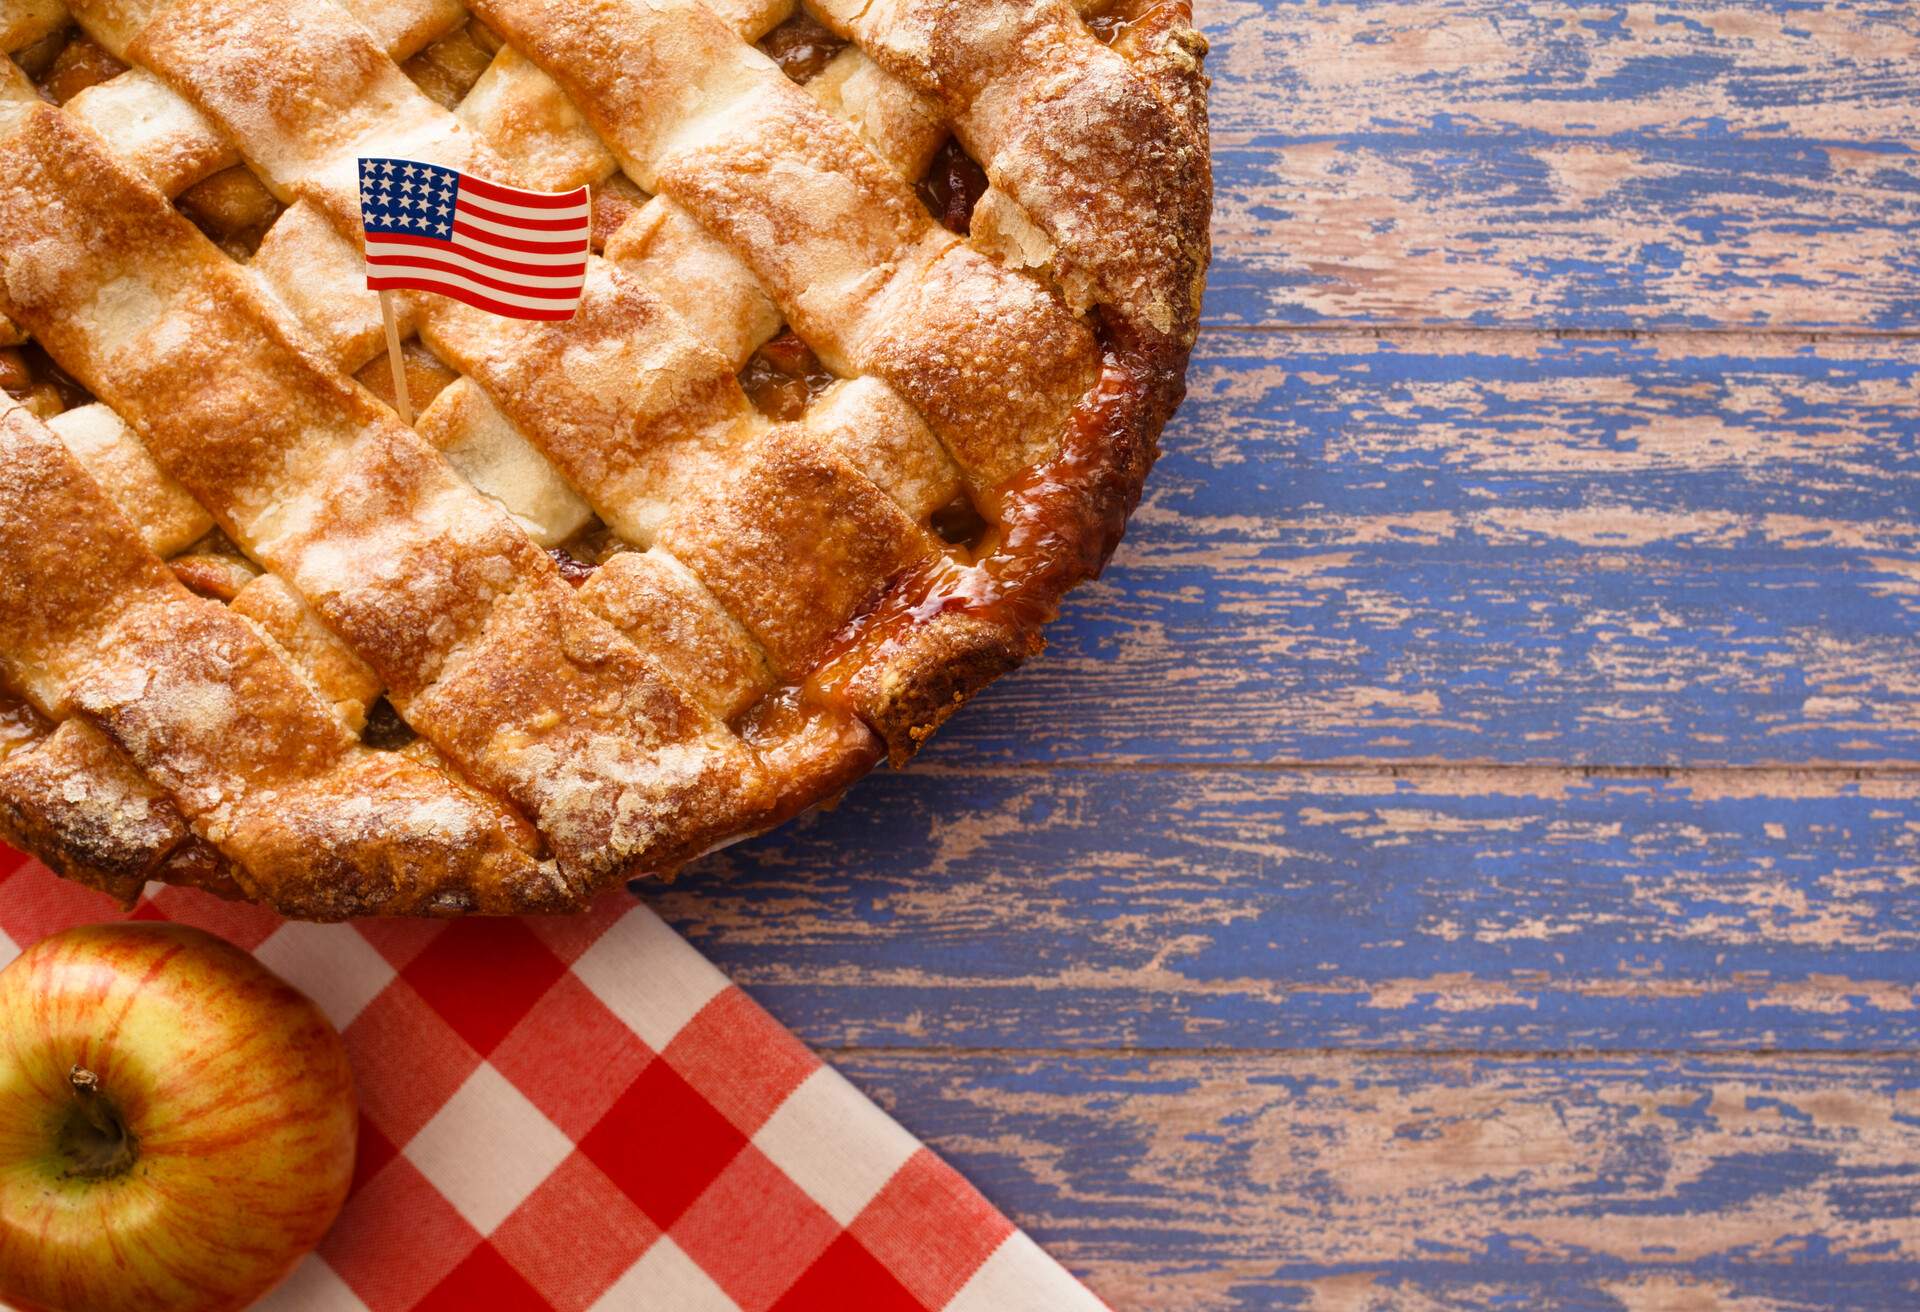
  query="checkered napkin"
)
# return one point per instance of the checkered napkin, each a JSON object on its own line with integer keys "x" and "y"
{"x": 583, "y": 1113}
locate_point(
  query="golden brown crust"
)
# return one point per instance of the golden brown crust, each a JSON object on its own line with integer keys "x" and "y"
{"x": 1108, "y": 161}
{"x": 989, "y": 359}
{"x": 837, "y": 238}
{"x": 1169, "y": 55}
{"x": 555, "y": 708}
{"x": 316, "y": 274}
{"x": 520, "y": 111}
{"x": 166, "y": 514}
{"x": 405, "y": 26}
{"x": 186, "y": 691}
{"x": 74, "y": 800}
{"x": 341, "y": 678}
{"x": 933, "y": 671}
{"x": 897, "y": 124}
{"x": 620, "y": 398}
{"x": 1135, "y": 231}
{"x": 811, "y": 751}
{"x": 408, "y": 564}
{"x": 941, "y": 636}
{"x": 663, "y": 607}
{"x": 876, "y": 431}
{"x": 486, "y": 449}
{"x": 1058, "y": 523}
{"x": 68, "y": 578}
{"x": 814, "y": 615}
{"x": 237, "y": 61}
{"x": 153, "y": 131}
{"x": 23, "y": 22}
{"x": 744, "y": 537}
{"x": 717, "y": 296}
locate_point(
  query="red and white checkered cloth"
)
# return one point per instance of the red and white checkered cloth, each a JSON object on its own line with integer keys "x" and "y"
{"x": 583, "y": 1113}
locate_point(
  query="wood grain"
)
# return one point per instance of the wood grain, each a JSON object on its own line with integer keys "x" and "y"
{"x": 1520, "y": 910}
{"x": 1632, "y": 165}
{"x": 1503, "y": 547}
{"x": 1343, "y": 1182}
{"x": 1464, "y": 853}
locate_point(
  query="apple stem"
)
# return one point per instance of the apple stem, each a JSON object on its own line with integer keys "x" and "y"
{"x": 96, "y": 1141}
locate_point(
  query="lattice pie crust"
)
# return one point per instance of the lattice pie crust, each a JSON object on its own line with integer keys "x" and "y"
{"x": 808, "y": 468}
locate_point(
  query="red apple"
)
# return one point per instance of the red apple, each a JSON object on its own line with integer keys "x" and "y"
{"x": 176, "y": 1123}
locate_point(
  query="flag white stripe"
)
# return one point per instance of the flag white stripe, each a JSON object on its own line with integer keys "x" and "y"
{"x": 563, "y": 258}
{"x": 483, "y": 224}
{"x": 504, "y": 210}
{"x": 477, "y": 288}
{"x": 407, "y": 251}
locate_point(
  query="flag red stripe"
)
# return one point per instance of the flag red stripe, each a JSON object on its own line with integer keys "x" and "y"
{"x": 576, "y": 224}
{"x": 467, "y": 296}
{"x": 475, "y": 235}
{"x": 579, "y": 265}
{"x": 514, "y": 196}
{"x": 501, "y": 212}
{"x": 498, "y": 284}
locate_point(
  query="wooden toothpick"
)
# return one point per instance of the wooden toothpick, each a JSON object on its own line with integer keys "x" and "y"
{"x": 401, "y": 401}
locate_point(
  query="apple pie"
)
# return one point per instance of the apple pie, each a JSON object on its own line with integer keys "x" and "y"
{"x": 887, "y": 306}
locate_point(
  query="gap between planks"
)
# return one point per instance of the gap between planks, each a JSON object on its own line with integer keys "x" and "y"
{"x": 1435, "y": 768}
{"x": 1336, "y": 328}
{"x": 1505, "y": 1056}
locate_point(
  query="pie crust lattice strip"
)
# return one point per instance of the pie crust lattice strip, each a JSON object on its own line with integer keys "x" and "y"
{"x": 815, "y": 460}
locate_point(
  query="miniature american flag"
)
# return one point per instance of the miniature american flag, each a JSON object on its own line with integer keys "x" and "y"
{"x": 515, "y": 252}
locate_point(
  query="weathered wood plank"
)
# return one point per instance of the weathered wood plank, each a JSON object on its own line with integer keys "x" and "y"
{"x": 1728, "y": 164}
{"x": 1368, "y": 1183}
{"x": 1520, "y": 910}
{"x": 1765, "y": 69}
{"x": 1493, "y": 546}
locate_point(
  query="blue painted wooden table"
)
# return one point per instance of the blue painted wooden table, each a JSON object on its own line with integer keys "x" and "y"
{"x": 1466, "y": 851}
